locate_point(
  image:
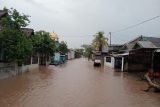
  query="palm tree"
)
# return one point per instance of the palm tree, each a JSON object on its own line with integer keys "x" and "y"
{"x": 99, "y": 41}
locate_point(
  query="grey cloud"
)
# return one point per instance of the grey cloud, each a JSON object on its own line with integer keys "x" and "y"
{"x": 75, "y": 20}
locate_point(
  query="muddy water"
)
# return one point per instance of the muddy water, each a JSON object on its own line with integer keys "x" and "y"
{"x": 75, "y": 84}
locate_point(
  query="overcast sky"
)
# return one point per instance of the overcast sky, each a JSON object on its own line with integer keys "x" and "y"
{"x": 75, "y": 21}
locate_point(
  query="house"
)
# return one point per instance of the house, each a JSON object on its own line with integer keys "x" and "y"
{"x": 141, "y": 51}
{"x": 136, "y": 55}
{"x": 114, "y": 48}
{"x": 117, "y": 61}
{"x": 58, "y": 57}
{"x": 8, "y": 68}
{"x": 114, "y": 58}
{"x": 70, "y": 54}
{"x": 130, "y": 45}
{"x": 28, "y": 31}
{"x": 121, "y": 61}
{"x": 144, "y": 54}
{"x": 109, "y": 61}
{"x": 120, "y": 54}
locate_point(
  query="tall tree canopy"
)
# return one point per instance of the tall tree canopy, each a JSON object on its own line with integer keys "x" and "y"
{"x": 78, "y": 52}
{"x": 99, "y": 41}
{"x": 63, "y": 47}
{"x": 14, "y": 43}
{"x": 87, "y": 50}
{"x": 14, "y": 19}
{"x": 43, "y": 44}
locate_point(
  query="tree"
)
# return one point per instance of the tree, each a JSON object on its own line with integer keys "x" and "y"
{"x": 99, "y": 41}
{"x": 63, "y": 47}
{"x": 43, "y": 44}
{"x": 78, "y": 52}
{"x": 14, "y": 19}
{"x": 14, "y": 43}
{"x": 87, "y": 50}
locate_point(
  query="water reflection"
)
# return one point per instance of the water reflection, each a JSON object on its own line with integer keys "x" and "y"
{"x": 75, "y": 84}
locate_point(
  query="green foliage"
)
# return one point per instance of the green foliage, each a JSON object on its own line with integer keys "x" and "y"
{"x": 99, "y": 41}
{"x": 63, "y": 47}
{"x": 15, "y": 45}
{"x": 87, "y": 50}
{"x": 78, "y": 52}
{"x": 14, "y": 19}
{"x": 43, "y": 44}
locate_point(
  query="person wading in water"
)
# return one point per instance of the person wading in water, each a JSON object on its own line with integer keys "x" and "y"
{"x": 151, "y": 76}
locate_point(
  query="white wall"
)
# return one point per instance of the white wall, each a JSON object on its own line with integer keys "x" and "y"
{"x": 9, "y": 69}
{"x": 71, "y": 54}
{"x": 109, "y": 64}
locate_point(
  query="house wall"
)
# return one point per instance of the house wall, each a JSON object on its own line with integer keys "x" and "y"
{"x": 7, "y": 70}
{"x": 71, "y": 54}
{"x": 11, "y": 69}
{"x": 140, "y": 59}
{"x": 57, "y": 57}
{"x": 68, "y": 56}
{"x": 156, "y": 62}
{"x": 109, "y": 64}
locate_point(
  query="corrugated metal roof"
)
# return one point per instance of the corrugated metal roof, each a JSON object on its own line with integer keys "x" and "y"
{"x": 119, "y": 55}
{"x": 146, "y": 44}
{"x": 154, "y": 40}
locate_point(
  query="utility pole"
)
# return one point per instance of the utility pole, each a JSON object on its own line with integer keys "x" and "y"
{"x": 110, "y": 37}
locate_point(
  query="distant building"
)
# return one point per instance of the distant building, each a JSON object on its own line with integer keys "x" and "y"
{"x": 54, "y": 36}
{"x": 144, "y": 53}
{"x": 58, "y": 57}
{"x": 28, "y": 31}
{"x": 114, "y": 58}
{"x": 130, "y": 45}
{"x": 70, "y": 54}
{"x": 114, "y": 48}
{"x": 136, "y": 55}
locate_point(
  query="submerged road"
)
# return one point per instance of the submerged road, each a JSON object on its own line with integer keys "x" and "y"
{"x": 75, "y": 84}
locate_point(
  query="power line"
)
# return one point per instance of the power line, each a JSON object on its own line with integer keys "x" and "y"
{"x": 132, "y": 26}
{"x": 76, "y": 36}
{"x": 129, "y": 27}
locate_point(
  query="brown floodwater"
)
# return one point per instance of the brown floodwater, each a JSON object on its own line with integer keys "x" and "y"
{"x": 75, "y": 84}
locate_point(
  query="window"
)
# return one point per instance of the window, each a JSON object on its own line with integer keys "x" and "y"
{"x": 108, "y": 59}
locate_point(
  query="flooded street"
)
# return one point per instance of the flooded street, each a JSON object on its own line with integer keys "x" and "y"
{"x": 75, "y": 84}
